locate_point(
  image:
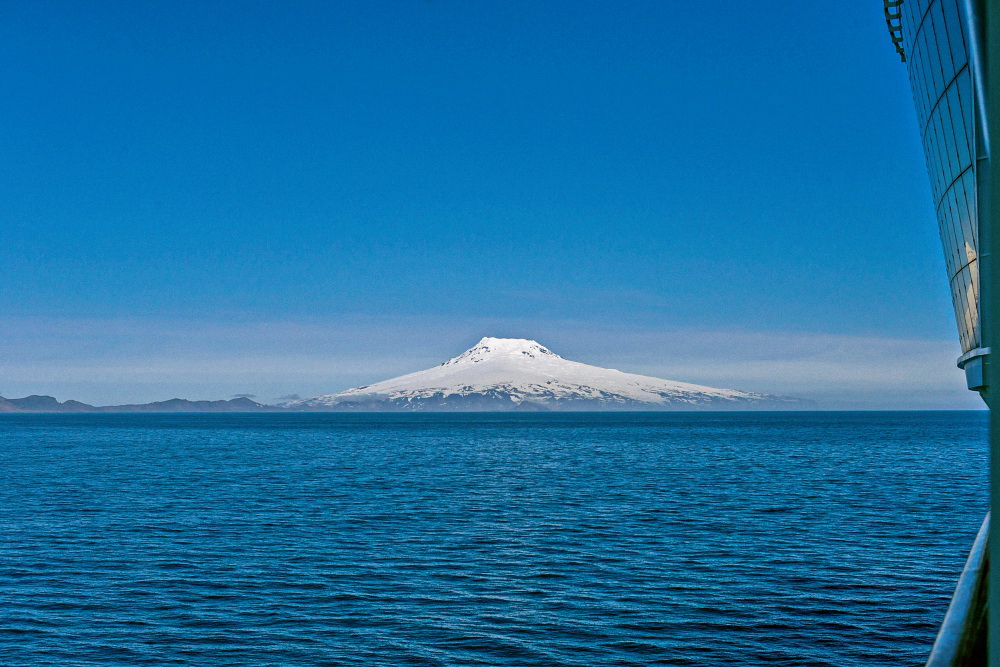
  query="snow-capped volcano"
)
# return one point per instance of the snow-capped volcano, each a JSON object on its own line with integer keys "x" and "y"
{"x": 517, "y": 374}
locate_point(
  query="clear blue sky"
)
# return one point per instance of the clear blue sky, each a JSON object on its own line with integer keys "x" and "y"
{"x": 363, "y": 187}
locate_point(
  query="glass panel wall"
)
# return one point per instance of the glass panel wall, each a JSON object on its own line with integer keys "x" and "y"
{"x": 937, "y": 58}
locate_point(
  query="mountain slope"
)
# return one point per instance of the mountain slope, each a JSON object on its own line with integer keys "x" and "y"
{"x": 516, "y": 374}
{"x": 36, "y": 403}
{"x": 184, "y": 405}
{"x": 7, "y": 406}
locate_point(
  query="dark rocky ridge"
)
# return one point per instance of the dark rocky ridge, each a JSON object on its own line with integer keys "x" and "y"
{"x": 48, "y": 404}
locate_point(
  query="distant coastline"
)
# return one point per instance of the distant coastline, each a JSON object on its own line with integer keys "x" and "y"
{"x": 49, "y": 404}
{"x": 495, "y": 375}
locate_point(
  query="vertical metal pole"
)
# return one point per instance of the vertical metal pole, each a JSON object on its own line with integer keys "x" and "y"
{"x": 990, "y": 304}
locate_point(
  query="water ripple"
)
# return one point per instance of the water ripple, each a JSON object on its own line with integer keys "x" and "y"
{"x": 737, "y": 539}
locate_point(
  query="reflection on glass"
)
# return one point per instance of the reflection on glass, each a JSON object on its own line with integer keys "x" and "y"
{"x": 938, "y": 64}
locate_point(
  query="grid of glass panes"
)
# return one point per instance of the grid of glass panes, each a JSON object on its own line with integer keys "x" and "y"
{"x": 937, "y": 58}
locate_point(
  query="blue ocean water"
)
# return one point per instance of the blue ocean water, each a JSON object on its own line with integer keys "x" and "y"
{"x": 567, "y": 539}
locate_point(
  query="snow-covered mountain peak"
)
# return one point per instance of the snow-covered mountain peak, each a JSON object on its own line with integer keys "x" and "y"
{"x": 521, "y": 374}
{"x": 510, "y": 349}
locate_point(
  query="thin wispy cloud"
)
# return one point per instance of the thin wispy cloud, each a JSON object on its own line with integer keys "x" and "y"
{"x": 135, "y": 359}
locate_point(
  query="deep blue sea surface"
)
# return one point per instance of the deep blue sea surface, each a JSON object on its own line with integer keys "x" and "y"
{"x": 570, "y": 539}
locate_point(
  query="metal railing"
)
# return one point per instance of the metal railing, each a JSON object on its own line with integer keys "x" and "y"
{"x": 961, "y": 641}
{"x": 893, "y": 19}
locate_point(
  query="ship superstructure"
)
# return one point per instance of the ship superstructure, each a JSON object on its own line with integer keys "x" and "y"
{"x": 948, "y": 47}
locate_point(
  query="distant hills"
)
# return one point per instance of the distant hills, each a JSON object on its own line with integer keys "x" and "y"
{"x": 495, "y": 375}
{"x": 50, "y": 404}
